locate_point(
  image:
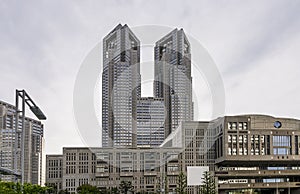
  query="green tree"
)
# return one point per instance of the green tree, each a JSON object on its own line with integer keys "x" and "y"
{"x": 34, "y": 189}
{"x": 52, "y": 188}
{"x": 208, "y": 184}
{"x": 125, "y": 187}
{"x": 17, "y": 188}
{"x": 64, "y": 192}
{"x": 105, "y": 191}
{"x": 114, "y": 190}
{"x": 181, "y": 183}
{"x": 7, "y": 187}
{"x": 87, "y": 189}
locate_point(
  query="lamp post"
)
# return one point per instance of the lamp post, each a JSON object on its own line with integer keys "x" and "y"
{"x": 25, "y": 100}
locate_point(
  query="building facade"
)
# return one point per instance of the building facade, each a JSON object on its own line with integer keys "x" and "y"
{"x": 121, "y": 90}
{"x": 172, "y": 78}
{"x": 10, "y": 142}
{"x": 150, "y": 170}
{"x": 120, "y": 87}
{"x": 150, "y": 122}
{"x": 245, "y": 154}
{"x": 258, "y": 153}
{"x": 54, "y": 169}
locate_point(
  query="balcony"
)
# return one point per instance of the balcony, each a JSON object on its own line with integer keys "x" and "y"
{"x": 259, "y": 185}
{"x": 150, "y": 173}
{"x": 173, "y": 173}
{"x": 124, "y": 174}
{"x": 102, "y": 174}
{"x": 257, "y": 173}
{"x": 257, "y": 159}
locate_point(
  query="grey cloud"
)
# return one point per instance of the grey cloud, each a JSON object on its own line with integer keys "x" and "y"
{"x": 44, "y": 42}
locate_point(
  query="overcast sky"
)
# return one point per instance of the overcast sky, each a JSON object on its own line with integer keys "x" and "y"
{"x": 255, "y": 45}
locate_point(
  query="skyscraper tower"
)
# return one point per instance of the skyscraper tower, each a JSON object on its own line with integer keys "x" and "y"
{"x": 121, "y": 82}
{"x": 10, "y": 147}
{"x": 172, "y": 78}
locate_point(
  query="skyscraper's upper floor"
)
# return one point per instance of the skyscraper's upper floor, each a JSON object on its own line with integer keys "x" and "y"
{"x": 119, "y": 44}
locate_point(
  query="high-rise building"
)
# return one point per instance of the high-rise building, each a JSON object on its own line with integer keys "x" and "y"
{"x": 120, "y": 87}
{"x": 173, "y": 81}
{"x": 10, "y": 145}
{"x": 150, "y": 122}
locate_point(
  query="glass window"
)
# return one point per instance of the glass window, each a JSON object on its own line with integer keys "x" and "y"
{"x": 281, "y": 145}
{"x": 234, "y": 125}
{"x": 229, "y": 138}
{"x": 234, "y": 138}
{"x": 281, "y": 141}
{"x": 240, "y": 151}
{"x": 240, "y": 139}
{"x": 234, "y": 151}
{"x": 229, "y": 151}
{"x": 240, "y": 126}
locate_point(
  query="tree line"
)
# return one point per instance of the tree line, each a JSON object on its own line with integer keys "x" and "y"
{"x": 208, "y": 187}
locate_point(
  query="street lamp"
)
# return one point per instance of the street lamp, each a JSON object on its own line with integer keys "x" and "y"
{"x": 25, "y": 100}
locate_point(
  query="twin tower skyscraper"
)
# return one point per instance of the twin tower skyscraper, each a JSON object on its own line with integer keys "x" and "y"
{"x": 129, "y": 120}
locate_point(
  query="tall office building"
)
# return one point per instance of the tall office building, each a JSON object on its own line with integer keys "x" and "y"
{"x": 10, "y": 146}
{"x": 120, "y": 87}
{"x": 173, "y": 81}
{"x": 150, "y": 121}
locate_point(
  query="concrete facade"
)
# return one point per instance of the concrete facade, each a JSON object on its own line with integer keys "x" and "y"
{"x": 54, "y": 165}
{"x": 258, "y": 153}
{"x": 150, "y": 122}
{"x": 120, "y": 87}
{"x": 245, "y": 153}
{"x": 172, "y": 78}
{"x": 149, "y": 170}
{"x": 10, "y": 142}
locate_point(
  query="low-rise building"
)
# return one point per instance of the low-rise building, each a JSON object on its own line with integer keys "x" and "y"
{"x": 149, "y": 170}
{"x": 259, "y": 153}
{"x": 54, "y": 169}
{"x": 246, "y": 154}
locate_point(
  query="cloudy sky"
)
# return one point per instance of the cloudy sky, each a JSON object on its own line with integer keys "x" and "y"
{"x": 255, "y": 45}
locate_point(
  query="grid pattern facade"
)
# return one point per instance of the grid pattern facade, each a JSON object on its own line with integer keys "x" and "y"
{"x": 173, "y": 80}
{"x": 120, "y": 87}
{"x": 150, "y": 122}
{"x": 248, "y": 153}
{"x": 10, "y": 142}
{"x": 149, "y": 170}
{"x": 260, "y": 153}
{"x": 54, "y": 171}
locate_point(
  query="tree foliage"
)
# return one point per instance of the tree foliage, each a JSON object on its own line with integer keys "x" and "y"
{"x": 208, "y": 185}
{"x": 181, "y": 183}
{"x": 64, "y": 192}
{"x": 17, "y": 188}
{"x": 52, "y": 188}
{"x": 87, "y": 189}
{"x": 115, "y": 190}
{"x": 125, "y": 186}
